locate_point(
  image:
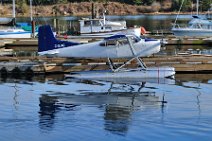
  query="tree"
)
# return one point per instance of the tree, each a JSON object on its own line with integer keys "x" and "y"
{"x": 137, "y": 2}
{"x": 205, "y": 5}
{"x": 148, "y": 2}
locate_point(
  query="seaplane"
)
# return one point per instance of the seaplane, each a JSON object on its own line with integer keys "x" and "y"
{"x": 128, "y": 46}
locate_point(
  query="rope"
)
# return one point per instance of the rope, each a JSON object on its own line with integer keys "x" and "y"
{"x": 178, "y": 13}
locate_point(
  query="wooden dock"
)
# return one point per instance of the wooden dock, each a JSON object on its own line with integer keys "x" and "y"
{"x": 43, "y": 65}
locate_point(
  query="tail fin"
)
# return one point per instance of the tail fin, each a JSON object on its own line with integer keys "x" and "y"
{"x": 47, "y": 41}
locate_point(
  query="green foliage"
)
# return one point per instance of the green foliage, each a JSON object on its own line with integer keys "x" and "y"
{"x": 185, "y": 7}
{"x": 22, "y": 6}
{"x": 205, "y": 4}
{"x": 137, "y": 2}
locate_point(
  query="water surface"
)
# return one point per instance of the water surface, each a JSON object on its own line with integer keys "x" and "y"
{"x": 52, "y": 108}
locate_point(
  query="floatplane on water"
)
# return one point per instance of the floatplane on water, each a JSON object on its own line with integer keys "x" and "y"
{"x": 131, "y": 47}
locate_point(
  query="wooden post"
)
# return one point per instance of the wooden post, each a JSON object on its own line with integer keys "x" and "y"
{"x": 55, "y": 22}
{"x": 93, "y": 10}
{"x": 33, "y": 29}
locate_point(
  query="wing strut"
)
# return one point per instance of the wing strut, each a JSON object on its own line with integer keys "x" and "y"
{"x": 139, "y": 60}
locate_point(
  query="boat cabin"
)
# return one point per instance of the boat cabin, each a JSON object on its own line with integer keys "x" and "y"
{"x": 99, "y": 25}
{"x": 199, "y": 23}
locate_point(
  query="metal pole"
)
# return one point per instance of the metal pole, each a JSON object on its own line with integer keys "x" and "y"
{"x": 32, "y": 21}
{"x": 30, "y": 1}
{"x": 197, "y": 7}
{"x": 13, "y": 8}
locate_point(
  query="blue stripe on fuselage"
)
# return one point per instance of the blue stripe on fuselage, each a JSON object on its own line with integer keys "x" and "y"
{"x": 150, "y": 39}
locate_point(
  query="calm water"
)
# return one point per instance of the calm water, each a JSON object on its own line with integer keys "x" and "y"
{"x": 150, "y": 22}
{"x": 52, "y": 108}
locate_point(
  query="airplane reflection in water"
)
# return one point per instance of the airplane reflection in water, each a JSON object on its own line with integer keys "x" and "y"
{"x": 118, "y": 106}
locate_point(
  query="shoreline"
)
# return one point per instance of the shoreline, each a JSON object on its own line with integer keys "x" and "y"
{"x": 146, "y": 14}
{"x": 84, "y": 9}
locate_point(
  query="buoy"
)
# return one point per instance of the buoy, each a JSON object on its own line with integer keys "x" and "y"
{"x": 143, "y": 30}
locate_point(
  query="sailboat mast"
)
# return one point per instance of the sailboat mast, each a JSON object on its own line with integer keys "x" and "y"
{"x": 30, "y": 1}
{"x": 197, "y": 7}
{"x": 13, "y": 8}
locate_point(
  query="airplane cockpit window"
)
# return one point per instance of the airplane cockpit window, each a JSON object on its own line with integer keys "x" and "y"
{"x": 109, "y": 43}
{"x": 122, "y": 41}
{"x": 135, "y": 39}
{"x": 115, "y": 42}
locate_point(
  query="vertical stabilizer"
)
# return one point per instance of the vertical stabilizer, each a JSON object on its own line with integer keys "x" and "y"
{"x": 47, "y": 40}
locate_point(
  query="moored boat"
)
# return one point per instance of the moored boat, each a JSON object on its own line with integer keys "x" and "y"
{"x": 197, "y": 27}
{"x": 14, "y": 31}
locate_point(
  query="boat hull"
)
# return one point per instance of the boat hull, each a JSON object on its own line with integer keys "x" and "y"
{"x": 16, "y": 35}
{"x": 192, "y": 32}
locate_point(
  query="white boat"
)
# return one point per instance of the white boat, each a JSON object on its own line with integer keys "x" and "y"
{"x": 7, "y": 21}
{"x": 197, "y": 27}
{"x": 98, "y": 27}
{"x": 15, "y": 32}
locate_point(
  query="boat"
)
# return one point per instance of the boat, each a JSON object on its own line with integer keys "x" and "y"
{"x": 127, "y": 46}
{"x": 7, "y": 21}
{"x": 98, "y": 27}
{"x": 15, "y": 32}
{"x": 197, "y": 27}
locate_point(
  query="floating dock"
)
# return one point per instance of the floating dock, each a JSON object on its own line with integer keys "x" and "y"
{"x": 43, "y": 65}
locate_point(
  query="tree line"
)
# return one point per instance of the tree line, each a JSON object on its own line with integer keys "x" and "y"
{"x": 188, "y": 5}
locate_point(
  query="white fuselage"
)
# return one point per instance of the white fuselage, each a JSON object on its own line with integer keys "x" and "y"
{"x": 102, "y": 49}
